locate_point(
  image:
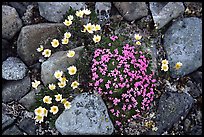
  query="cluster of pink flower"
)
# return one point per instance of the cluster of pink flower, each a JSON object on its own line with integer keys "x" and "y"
{"x": 121, "y": 77}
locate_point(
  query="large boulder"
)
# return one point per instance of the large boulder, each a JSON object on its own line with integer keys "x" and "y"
{"x": 132, "y": 10}
{"x": 6, "y": 121}
{"x": 57, "y": 61}
{"x": 15, "y": 90}
{"x": 54, "y": 11}
{"x": 164, "y": 12}
{"x": 183, "y": 43}
{"x": 103, "y": 10}
{"x": 14, "y": 130}
{"x": 32, "y": 36}
{"x": 87, "y": 116}
{"x": 28, "y": 125}
{"x": 11, "y": 23}
{"x": 13, "y": 69}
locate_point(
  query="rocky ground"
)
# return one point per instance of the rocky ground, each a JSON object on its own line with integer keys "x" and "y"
{"x": 174, "y": 31}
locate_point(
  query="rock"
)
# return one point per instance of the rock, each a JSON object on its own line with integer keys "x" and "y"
{"x": 14, "y": 130}
{"x": 54, "y": 11}
{"x": 183, "y": 42}
{"x": 15, "y": 90}
{"x": 11, "y": 23}
{"x": 196, "y": 130}
{"x": 87, "y": 116}
{"x": 6, "y": 49}
{"x": 57, "y": 61}
{"x": 164, "y": 12}
{"x": 187, "y": 124}
{"x": 13, "y": 69}
{"x": 172, "y": 106}
{"x": 29, "y": 99}
{"x": 195, "y": 91}
{"x": 103, "y": 10}
{"x": 28, "y": 125}
{"x": 6, "y": 121}
{"x": 197, "y": 77}
{"x": 20, "y": 8}
{"x": 132, "y": 10}
{"x": 32, "y": 36}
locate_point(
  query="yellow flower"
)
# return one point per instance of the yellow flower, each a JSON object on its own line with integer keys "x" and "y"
{"x": 58, "y": 74}
{"x": 52, "y": 86}
{"x": 55, "y": 43}
{"x": 178, "y": 65}
{"x": 39, "y": 118}
{"x": 67, "y": 105}
{"x": 70, "y": 53}
{"x": 87, "y": 11}
{"x": 40, "y": 48}
{"x": 63, "y": 101}
{"x": 83, "y": 30}
{"x": 79, "y": 13}
{"x": 72, "y": 70}
{"x": 165, "y": 62}
{"x": 89, "y": 27}
{"x": 74, "y": 84}
{"x": 47, "y": 99}
{"x": 46, "y": 53}
{"x": 63, "y": 79}
{"x": 35, "y": 84}
{"x": 58, "y": 97}
{"x": 65, "y": 41}
{"x": 61, "y": 84}
{"x": 67, "y": 22}
{"x": 67, "y": 35}
{"x": 164, "y": 67}
{"x": 138, "y": 43}
{"x": 96, "y": 38}
{"x": 45, "y": 111}
{"x": 96, "y": 27}
{"x": 70, "y": 17}
{"x": 54, "y": 109}
{"x": 39, "y": 111}
{"x": 138, "y": 37}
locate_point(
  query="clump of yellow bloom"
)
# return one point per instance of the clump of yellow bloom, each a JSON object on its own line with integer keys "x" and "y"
{"x": 165, "y": 62}
{"x": 40, "y": 48}
{"x": 63, "y": 79}
{"x": 52, "y": 86}
{"x": 39, "y": 111}
{"x": 96, "y": 38}
{"x": 164, "y": 67}
{"x": 96, "y": 27}
{"x": 61, "y": 84}
{"x": 58, "y": 97}
{"x": 138, "y": 43}
{"x": 74, "y": 84}
{"x": 39, "y": 118}
{"x": 67, "y": 105}
{"x": 55, "y": 43}
{"x": 67, "y": 22}
{"x": 138, "y": 37}
{"x": 54, "y": 109}
{"x": 47, "y": 99}
{"x": 46, "y": 53}
{"x": 87, "y": 11}
{"x": 63, "y": 101}
{"x": 80, "y": 13}
{"x": 67, "y": 35}
{"x": 178, "y": 65}
{"x": 70, "y": 17}
{"x": 72, "y": 70}
{"x": 89, "y": 27}
{"x": 35, "y": 84}
{"x": 65, "y": 41}
{"x": 70, "y": 53}
{"x": 58, "y": 74}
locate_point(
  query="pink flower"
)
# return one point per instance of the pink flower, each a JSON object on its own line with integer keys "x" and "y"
{"x": 107, "y": 86}
{"x": 116, "y": 101}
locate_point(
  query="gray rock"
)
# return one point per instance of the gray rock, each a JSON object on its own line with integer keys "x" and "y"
{"x": 103, "y": 10}
{"x": 6, "y": 50}
{"x": 11, "y": 23}
{"x": 195, "y": 91}
{"x": 32, "y": 36}
{"x": 197, "y": 76}
{"x": 172, "y": 106}
{"x": 14, "y": 130}
{"x": 54, "y": 11}
{"x": 132, "y": 10}
{"x": 164, "y": 12}
{"x": 187, "y": 124}
{"x": 13, "y": 69}
{"x": 15, "y": 90}
{"x": 87, "y": 116}
{"x": 6, "y": 121}
{"x": 183, "y": 42}
{"x": 28, "y": 126}
{"x": 29, "y": 99}
{"x": 196, "y": 130}
{"x": 20, "y": 8}
{"x": 57, "y": 61}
